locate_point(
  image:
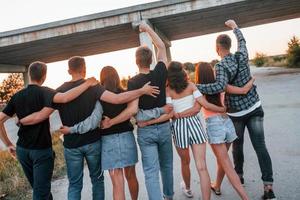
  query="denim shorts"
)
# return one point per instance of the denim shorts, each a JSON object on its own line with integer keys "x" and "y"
{"x": 220, "y": 129}
{"x": 118, "y": 151}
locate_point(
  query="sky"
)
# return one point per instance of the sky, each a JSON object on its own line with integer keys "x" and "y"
{"x": 270, "y": 39}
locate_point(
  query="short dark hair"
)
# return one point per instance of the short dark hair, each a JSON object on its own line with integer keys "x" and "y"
{"x": 177, "y": 77}
{"x": 76, "y": 63}
{"x": 37, "y": 70}
{"x": 224, "y": 41}
{"x": 143, "y": 56}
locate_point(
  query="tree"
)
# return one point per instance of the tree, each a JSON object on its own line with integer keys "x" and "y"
{"x": 9, "y": 86}
{"x": 260, "y": 59}
{"x": 293, "y": 52}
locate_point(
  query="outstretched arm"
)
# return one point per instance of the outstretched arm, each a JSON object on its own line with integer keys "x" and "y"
{"x": 74, "y": 92}
{"x": 125, "y": 97}
{"x": 161, "y": 48}
{"x": 240, "y": 90}
{"x": 162, "y": 118}
{"x": 90, "y": 123}
{"x": 219, "y": 85}
{"x": 37, "y": 117}
{"x": 126, "y": 114}
{"x": 144, "y": 115}
{"x": 242, "y": 48}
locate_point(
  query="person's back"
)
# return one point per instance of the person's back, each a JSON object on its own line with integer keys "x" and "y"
{"x": 77, "y": 110}
{"x": 27, "y": 101}
{"x": 111, "y": 111}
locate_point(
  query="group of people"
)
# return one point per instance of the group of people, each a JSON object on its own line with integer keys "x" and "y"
{"x": 165, "y": 103}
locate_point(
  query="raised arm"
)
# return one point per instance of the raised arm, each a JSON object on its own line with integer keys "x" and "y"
{"x": 242, "y": 48}
{"x": 219, "y": 85}
{"x": 74, "y": 92}
{"x": 161, "y": 48}
{"x": 126, "y": 114}
{"x": 125, "y": 97}
{"x": 37, "y": 117}
{"x": 240, "y": 90}
{"x": 90, "y": 123}
{"x": 3, "y": 135}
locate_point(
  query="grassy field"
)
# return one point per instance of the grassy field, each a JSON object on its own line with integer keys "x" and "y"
{"x": 13, "y": 183}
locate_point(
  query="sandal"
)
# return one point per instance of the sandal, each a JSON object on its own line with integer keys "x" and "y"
{"x": 215, "y": 190}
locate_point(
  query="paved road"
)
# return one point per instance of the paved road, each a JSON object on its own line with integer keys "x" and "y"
{"x": 280, "y": 93}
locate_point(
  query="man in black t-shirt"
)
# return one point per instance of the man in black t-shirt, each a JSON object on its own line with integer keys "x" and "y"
{"x": 87, "y": 146}
{"x": 155, "y": 141}
{"x": 34, "y": 146}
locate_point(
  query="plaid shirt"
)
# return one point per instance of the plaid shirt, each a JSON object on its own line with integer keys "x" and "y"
{"x": 233, "y": 66}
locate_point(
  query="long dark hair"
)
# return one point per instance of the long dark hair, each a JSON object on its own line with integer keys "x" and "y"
{"x": 204, "y": 74}
{"x": 110, "y": 79}
{"x": 177, "y": 77}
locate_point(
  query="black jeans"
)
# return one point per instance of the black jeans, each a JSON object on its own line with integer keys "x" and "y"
{"x": 254, "y": 123}
{"x": 38, "y": 168}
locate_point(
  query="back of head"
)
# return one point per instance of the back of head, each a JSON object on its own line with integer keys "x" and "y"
{"x": 204, "y": 74}
{"x": 224, "y": 41}
{"x": 110, "y": 79}
{"x": 76, "y": 64}
{"x": 143, "y": 56}
{"x": 37, "y": 71}
{"x": 177, "y": 77}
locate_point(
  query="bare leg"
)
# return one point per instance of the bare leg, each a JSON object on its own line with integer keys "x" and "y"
{"x": 199, "y": 152}
{"x": 184, "y": 155}
{"x": 220, "y": 171}
{"x": 117, "y": 180}
{"x": 132, "y": 181}
{"x": 224, "y": 162}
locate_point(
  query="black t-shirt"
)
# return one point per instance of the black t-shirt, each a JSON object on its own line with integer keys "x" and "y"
{"x": 25, "y": 102}
{"x": 77, "y": 110}
{"x": 157, "y": 77}
{"x": 111, "y": 111}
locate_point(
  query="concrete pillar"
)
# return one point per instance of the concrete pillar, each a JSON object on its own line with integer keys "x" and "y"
{"x": 169, "y": 56}
{"x": 146, "y": 40}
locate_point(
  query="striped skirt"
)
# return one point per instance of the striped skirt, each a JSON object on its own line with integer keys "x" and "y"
{"x": 187, "y": 131}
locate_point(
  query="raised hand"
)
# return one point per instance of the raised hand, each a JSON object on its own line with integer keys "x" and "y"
{"x": 64, "y": 130}
{"x": 92, "y": 81}
{"x": 144, "y": 27}
{"x": 231, "y": 24}
{"x": 150, "y": 90}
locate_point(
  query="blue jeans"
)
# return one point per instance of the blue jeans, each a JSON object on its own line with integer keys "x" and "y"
{"x": 38, "y": 168}
{"x": 75, "y": 164}
{"x": 254, "y": 122}
{"x": 157, "y": 154}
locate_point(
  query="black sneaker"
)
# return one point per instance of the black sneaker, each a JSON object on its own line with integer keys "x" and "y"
{"x": 269, "y": 195}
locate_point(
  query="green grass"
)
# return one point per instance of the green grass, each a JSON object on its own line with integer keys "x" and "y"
{"x": 14, "y": 184}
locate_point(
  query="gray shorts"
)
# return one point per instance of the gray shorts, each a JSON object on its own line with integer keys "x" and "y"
{"x": 118, "y": 151}
{"x": 220, "y": 129}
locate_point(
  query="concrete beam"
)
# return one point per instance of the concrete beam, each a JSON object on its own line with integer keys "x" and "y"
{"x": 25, "y": 79}
{"x": 4, "y": 68}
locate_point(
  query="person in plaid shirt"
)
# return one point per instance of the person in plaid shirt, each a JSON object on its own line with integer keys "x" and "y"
{"x": 244, "y": 110}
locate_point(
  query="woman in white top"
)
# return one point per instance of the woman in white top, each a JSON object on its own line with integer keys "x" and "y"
{"x": 187, "y": 129}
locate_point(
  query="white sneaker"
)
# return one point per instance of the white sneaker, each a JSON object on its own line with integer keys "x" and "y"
{"x": 187, "y": 193}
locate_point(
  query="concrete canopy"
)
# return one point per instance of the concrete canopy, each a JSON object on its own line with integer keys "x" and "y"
{"x": 112, "y": 30}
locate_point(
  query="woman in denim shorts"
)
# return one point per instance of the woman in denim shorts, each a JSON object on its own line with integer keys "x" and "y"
{"x": 220, "y": 130}
{"x": 119, "y": 149}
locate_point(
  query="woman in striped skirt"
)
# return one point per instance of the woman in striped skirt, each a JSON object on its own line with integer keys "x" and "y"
{"x": 187, "y": 128}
